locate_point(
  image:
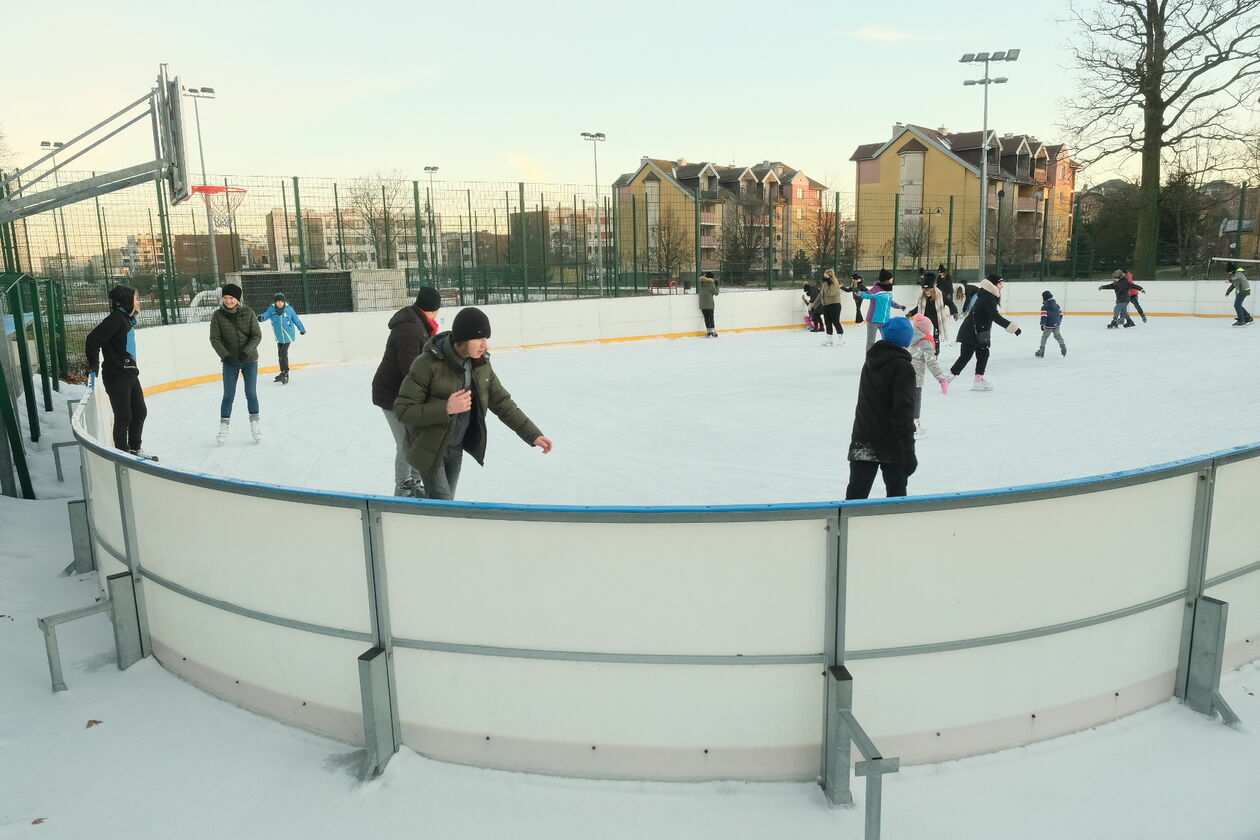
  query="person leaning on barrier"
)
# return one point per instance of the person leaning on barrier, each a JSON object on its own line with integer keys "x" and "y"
{"x": 409, "y": 329}
{"x": 115, "y": 338}
{"x": 443, "y": 401}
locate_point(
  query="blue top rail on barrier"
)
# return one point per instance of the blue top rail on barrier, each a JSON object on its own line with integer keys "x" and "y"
{"x": 27, "y": 318}
{"x": 1004, "y": 493}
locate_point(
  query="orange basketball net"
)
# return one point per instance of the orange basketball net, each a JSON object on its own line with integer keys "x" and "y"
{"x": 221, "y": 201}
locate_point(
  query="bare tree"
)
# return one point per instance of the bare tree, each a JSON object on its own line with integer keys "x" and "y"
{"x": 378, "y": 203}
{"x": 745, "y": 236}
{"x": 670, "y": 246}
{"x": 1158, "y": 75}
{"x": 822, "y": 238}
{"x": 915, "y": 238}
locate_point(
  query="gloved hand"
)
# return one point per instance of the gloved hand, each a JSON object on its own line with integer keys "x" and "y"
{"x": 1018, "y": 332}
{"x": 260, "y": 319}
{"x": 301, "y": 332}
{"x": 912, "y": 465}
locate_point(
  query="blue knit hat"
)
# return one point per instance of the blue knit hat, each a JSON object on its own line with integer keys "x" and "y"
{"x": 899, "y": 331}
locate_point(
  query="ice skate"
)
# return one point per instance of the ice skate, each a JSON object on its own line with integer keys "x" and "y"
{"x": 1040, "y": 354}
{"x": 1113, "y": 326}
{"x": 1063, "y": 350}
{"x": 827, "y": 342}
{"x": 140, "y": 453}
{"x": 981, "y": 384}
{"x": 1129, "y": 324}
{"x": 255, "y": 430}
{"x": 221, "y": 437}
{"x": 949, "y": 377}
{"x": 284, "y": 378}
{"x": 1143, "y": 317}
{"x": 279, "y": 376}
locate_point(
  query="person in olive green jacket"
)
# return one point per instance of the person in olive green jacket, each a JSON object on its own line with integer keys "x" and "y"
{"x": 828, "y": 300}
{"x": 443, "y": 402}
{"x": 707, "y": 289}
{"x": 234, "y": 335}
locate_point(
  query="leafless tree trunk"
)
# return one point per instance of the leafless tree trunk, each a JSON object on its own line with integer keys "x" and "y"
{"x": 379, "y": 202}
{"x": 671, "y": 245}
{"x": 1157, "y": 75}
{"x": 745, "y": 236}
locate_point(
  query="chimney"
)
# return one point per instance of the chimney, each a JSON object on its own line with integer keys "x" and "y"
{"x": 643, "y": 160}
{"x": 943, "y": 131}
{"x": 897, "y": 127}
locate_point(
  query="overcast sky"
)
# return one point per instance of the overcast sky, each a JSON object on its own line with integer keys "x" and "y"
{"x": 501, "y": 91}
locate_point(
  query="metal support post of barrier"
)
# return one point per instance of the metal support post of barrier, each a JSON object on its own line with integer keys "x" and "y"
{"x": 80, "y": 538}
{"x": 122, "y": 477}
{"x": 56, "y": 451}
{"x": 837, "y": 746}
{"x": 48, "y": 625}
{"x": 42, "y": 351}
{"x": 70, "y": 404}
{"x": 18, "y": 308}
{"x": 377, "y": 727}
{"x": 1207, "y": 657}
{"x": 1196, "y": 571}
{"x": 125, "y": 618}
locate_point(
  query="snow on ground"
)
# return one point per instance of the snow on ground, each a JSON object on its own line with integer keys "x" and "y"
{"x": 167, "y": 760}
{"x": 753, "y": 417}
{"x": 760, "y": 417}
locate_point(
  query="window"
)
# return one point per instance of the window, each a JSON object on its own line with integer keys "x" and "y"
{"x": 800, "y": 235}
{"x": 800, "y": 212}
{"x": 800, "y": 192}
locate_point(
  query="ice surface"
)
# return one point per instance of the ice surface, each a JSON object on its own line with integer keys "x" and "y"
{"x": 759, "y": 417}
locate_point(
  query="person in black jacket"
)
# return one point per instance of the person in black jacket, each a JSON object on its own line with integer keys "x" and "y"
{"x": 973, "y": 335}
{"x": 115, "y": 339}
{"x": 808, "y": 295}
{"x": 1122, "y": 286}
{"x": 945, "y": 282}
{"x": 409, "y": 329}
{"x": 883, "y": 423}
{"x": 855, "y": 288}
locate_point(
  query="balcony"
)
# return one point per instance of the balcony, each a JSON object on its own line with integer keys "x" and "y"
{"x": 1027, "y": 205}
{"x": 708, "y": 241}
{"x": 708, "y": 218}
{"x": 707, "y": 195}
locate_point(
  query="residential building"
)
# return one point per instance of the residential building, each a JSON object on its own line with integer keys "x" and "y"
{"x": 918, "y": 198}
{"x": 763, "y": 214}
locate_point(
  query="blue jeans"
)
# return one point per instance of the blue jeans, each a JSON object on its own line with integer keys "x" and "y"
{"x": 230, "y": 373}
{"x": 1238, "y": 306}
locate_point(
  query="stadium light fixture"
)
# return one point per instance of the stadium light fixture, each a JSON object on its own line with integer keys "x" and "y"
{"x": 595, "y": 138}
{"x": 985, "y": 58}
{"x": 196, "y": 94}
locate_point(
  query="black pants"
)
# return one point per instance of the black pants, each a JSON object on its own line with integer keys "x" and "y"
{"x": 831, "y": 316}
{"x": 862, "y": 478}
{"x": 708, "y": 318}
{"x": 857, "y": 303}
{"x": 964, "y": 357}
{"x": 126, "y": 398}
{"x": 283, "y": 351}
{"x": 1133, "y": 299}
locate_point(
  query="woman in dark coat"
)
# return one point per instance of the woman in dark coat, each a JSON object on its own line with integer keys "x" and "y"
{"x": 973, "y": 335}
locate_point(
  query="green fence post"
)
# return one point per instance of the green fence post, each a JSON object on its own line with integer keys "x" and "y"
{"x": 40, "y": 352}
{"x": 546, "y": 234}
{"x": 461, "y": 257}
{"x": 1076, "y": 235}
{"x": 616, "y": 248}
{"x": 1045, "y": 233}
{"x": 769, "y": 254}
{"x": 157, "y": 277}
{"x": 835, "y": 222}
{"x": 419, "y": 225}
{"x": 949, "y": 237}
{"x": 341, "y": 231}
{"x": 896, "y": 231}
{"x": 51, "y": 308}
{"x": 297, "y": 217}
{"x": 1242, "y": 205}
{"x": 524, "y": 245}
{"x": 61, "y": 327}
{"x": 697, "y": 202}
{"x": 18, "y": 308}
{"x": 100, "y": 230}
{"x": 166, "y": 247}
{"x": 13, "y": 431}
{"x": 634, "y": 239}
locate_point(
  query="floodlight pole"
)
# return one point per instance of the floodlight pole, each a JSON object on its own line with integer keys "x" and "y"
{"x": 201, "y": 152}
{"x": 1007, "y": 55}
{"x": 595, "y": 138}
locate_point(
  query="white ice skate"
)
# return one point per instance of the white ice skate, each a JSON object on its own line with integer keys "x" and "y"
{"x": 827, "y": 342}
{"x": 981, "y": 384}
{"x": 140, "y": 453}
{"x": 255, "y": 430}
{"x": 221, "y": 437}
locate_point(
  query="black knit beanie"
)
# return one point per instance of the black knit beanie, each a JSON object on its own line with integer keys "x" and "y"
{"x": 885, "y": 276}
{"x": 279, "y": 296}
{"x": 124, "y": 297}
{"x": 233, "y": 290}
{"x": 429, "y": 299}
{"x": 470, "y": 323}
{"x": 1046, "y": 295}
{"x": 994, "y": 279}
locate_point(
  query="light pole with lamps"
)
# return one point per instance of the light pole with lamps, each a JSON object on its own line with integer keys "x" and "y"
{"x": 433, "y": 244}
{"x": 985, "y": 58}
{"x": 52, "y": 145}
{"x": 196, "y": 94}
{"x": 595, "y": 138}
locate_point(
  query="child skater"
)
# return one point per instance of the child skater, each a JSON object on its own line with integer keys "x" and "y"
{"x": 1051, "y": 319}
{"x": 288, "y": 326}
{"x": 881, "y": 306}
{"x": 923, "y": 355}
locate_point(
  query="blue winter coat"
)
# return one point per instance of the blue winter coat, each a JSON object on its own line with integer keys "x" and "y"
{"x": 285, "y": 322}
{"x": 883, "y": 306}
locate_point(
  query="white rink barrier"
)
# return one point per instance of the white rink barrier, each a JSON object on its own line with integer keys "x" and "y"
{"x": 681, "y": 643}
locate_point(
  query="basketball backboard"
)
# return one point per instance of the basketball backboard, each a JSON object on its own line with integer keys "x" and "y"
{"x": 170, "y": 107}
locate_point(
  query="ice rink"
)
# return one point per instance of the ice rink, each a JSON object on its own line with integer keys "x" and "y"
{"x": 755, "y": 417}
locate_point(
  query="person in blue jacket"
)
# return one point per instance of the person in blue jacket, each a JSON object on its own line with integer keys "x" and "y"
{"x": 882, "y": 304}
{"x": 1051, "y": 320}
{"x": 288, "y": 326}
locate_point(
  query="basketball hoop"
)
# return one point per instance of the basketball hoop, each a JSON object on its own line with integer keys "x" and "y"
{"x": 221, "y": 202}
